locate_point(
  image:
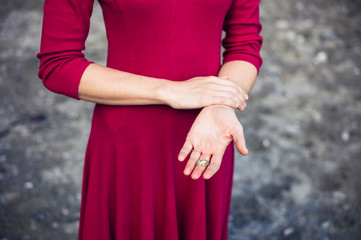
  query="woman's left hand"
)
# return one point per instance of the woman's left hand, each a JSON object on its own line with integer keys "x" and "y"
{"x": 208, "y": 138}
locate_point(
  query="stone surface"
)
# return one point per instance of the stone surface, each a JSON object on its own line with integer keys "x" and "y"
{"x": 301, "y": 179}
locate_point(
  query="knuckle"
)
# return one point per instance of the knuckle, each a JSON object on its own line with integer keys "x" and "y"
{"x": 215, "y": 166}
{"x": 203, "y": 100}
{"x": 212, "y": 85}
{"x": 229, "y": 94}
{"x": 207, "y": 90}
{"x": 233, "y": 84}
{"x": 214, "y": 79}
{"x": 216, "y": 100}
{"x": 224, "y": 100}
{"x": 184, "y": 150}
{"x": 206, "y": 100}
{"x": 189, "y": 165}
{"x": 213, "y": 169}
{"x": 233, "y": 94}
{"x": 236, "y": 91}
{"x": 209, "y": 173}
{"x": 185, "y": 146}
{"x": 236, "y": 100}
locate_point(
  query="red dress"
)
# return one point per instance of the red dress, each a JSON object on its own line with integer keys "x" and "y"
{"x": 133, "y": 184}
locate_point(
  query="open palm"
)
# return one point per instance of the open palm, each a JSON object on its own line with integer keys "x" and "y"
{"x": 208, "y": 138}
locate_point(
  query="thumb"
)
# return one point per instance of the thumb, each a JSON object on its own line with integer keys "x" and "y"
{"x": 239, "y": 140}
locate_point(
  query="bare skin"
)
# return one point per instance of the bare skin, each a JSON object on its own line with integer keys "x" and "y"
{"x": 104, "y": 85}
{"x": 216, "y": 126}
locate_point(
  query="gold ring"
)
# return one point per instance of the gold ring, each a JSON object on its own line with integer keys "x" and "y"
{"x": 195, "y": 149}
{"x": 202, "y": 163}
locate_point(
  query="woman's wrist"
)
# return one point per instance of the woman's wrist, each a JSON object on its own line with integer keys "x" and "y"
{"x": 165, "y": 92}
{"x": 200, "y": 92}
{"x": 216, "y": 107}
{"x": 243, "y": 105}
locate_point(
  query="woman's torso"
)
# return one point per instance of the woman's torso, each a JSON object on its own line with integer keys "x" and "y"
{"x": 171, "y": 39}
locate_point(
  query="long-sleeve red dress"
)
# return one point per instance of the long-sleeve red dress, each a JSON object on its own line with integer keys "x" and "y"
{"x": 133, "y": 185}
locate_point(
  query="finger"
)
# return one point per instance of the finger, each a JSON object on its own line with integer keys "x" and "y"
{"x": 224, "y": 101}
{"x": 195, "y": 149}
{"x": 213, "y": 166}
{"x": 231, "y": 86}
{"x": 224, "y": 80}
{"x": 198, "y": 170}
{"x": 223, "y": 77}
{"x": 191, "y": 162}
{"x": 229, "y": 82}
{"x": 220, "y": 95}
{"x": 243, "y": 106}
{"x": 218, "y": 86}
{"x": 244, "y": 94}
{"x": 239, "y": 140}
{"x": 231, "y": 91}
{"x": 186, "y": 149}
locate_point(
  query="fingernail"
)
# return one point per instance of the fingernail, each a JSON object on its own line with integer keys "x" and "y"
{"x": 247, "y": 97}
{"x": 195, "y": 176}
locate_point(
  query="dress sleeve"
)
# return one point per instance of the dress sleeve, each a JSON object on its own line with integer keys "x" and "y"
{"x": 65, "y": 29}
{"x": 242, "y": 27}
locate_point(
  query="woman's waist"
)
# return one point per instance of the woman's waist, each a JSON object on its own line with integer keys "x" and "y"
{"x": 165, "y": 66}
{"x": 139, "y": 118}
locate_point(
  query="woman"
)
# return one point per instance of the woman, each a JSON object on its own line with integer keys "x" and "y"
{"x": 163, "y": 97}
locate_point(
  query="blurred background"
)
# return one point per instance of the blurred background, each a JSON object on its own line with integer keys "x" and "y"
{"x": 302, "y": 177}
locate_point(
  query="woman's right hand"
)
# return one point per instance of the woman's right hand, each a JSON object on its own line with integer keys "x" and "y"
{"x": 199, "y": 92}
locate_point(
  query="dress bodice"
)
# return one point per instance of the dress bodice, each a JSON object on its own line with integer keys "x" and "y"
{"x": 170, "y": 39}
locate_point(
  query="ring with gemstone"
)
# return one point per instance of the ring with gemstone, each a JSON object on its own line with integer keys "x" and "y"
{"x": 202, "y": 163}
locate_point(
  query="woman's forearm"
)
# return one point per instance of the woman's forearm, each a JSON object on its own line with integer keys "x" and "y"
{"x": 216, "y": 126}
{"x": 242, "y": 72}
{"x": 109, "y": 86}
{"x": 105, "y": 85}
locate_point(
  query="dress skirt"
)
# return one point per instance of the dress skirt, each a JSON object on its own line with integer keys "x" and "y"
{"x": 134, "y": 186}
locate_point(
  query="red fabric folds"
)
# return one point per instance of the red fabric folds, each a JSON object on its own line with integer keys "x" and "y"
{"x": 133, "y": 185}
{"x": 242, "y": 27}
{"x": 65, "y": 29}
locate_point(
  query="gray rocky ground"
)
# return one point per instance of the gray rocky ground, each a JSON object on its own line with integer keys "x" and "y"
{"x": 301, "y": 179}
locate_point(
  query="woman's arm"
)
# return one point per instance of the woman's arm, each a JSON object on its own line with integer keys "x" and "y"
{"x": 64, "y": 69}
{"x": 216, "y": 126}
{"x": 109, "y": 86}
{"x": 241, "y": 72}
